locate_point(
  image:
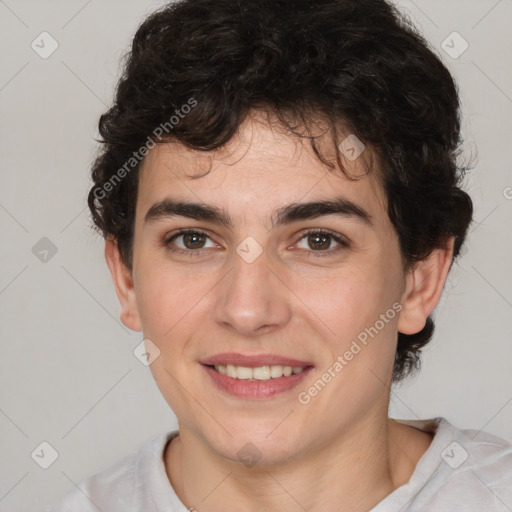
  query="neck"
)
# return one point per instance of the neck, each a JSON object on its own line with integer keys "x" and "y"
{"x": 354, "y": 471}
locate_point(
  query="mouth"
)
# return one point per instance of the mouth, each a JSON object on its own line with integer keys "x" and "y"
{"x": 256, "y": 376}
{"x": 258, "y": 373}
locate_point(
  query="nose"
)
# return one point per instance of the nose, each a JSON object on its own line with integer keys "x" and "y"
{"x": 252, "y": 300}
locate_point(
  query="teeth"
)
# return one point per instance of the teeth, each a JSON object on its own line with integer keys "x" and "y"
{"x": 231, "y": 371}
{"x": 242, "y": 372}
{"x": 257, "y": 373}
{"x": 276, "y": 372}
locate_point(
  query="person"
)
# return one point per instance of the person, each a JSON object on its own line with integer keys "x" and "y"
{"x": 279, "y": 188}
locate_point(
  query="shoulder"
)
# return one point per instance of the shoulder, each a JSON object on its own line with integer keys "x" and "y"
{"x": 471, "y": 468}
{"x": 93, "y": 493}
{"x": 483, "y": 458}
{"x": 462, "y": 470}
{"x": 120, "y": 486}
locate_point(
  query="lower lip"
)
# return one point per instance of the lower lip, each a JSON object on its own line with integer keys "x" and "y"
{"x": 256, "y": 389}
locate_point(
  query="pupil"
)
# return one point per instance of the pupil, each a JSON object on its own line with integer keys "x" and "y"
{"x": 319, "y": 245}
{"x": 197, "y": 239}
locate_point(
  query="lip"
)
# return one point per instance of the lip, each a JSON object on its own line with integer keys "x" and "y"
{"x": 256, "y": 389}
{"x": 254, "y": 360}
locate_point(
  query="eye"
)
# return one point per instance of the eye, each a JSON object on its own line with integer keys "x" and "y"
{"x": 316, "y": 242}
{"x": 188, "y": 240}
{"x": 321, "y": 241}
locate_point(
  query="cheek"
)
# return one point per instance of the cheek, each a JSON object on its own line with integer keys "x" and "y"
{"x": 166, "y": 301}
{"x": 347, "y": 300}
{"x": 352, "y": 312}
{"x": 172, "y": 305}
{"x": 355, "y": 312}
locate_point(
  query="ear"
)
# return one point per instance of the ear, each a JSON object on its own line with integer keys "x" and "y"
{"x": 424, "y": 285}
{"x": 123, "y": 283}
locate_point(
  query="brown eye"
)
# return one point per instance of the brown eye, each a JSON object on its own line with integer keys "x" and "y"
{"x": 321, "y": 242}
{"x": 188, "y": 241}
{"x": 193, "y": 240}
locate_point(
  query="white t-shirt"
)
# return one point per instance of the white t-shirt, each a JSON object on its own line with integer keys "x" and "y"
{"x": 462, "y": 471}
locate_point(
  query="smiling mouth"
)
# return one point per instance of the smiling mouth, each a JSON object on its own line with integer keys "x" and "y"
{"x": 257, "y": 373}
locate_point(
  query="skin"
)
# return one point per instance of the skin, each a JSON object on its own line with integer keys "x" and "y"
{"x": 338, "y": 452}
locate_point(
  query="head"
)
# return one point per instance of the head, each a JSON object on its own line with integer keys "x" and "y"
{"x": 249, "y": 110}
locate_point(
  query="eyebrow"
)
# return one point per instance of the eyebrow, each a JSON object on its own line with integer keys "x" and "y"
{"x": 168, "y": 208}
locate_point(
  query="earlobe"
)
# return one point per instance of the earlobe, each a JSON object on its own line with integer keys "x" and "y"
{"x": 424, "y": 285}
{"x": 123, "y": 282}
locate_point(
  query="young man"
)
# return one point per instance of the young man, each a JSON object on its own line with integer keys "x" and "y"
{"x": 279, "y": 193}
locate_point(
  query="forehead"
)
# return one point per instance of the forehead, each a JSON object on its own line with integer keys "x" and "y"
{"x": 259, "y": 170}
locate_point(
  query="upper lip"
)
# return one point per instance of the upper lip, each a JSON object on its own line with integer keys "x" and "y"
{"x": 252, "y": 361}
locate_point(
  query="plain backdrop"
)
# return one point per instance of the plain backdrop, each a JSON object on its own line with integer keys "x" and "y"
{"x": 68, "y": 376}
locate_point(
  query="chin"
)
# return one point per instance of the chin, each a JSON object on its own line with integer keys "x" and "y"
{"x": 256, "y": 447}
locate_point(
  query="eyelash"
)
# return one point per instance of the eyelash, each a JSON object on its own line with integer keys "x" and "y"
{"x": 343, "y": 244}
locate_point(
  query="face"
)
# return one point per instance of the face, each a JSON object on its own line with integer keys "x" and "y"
{"x": 275, "y": 286}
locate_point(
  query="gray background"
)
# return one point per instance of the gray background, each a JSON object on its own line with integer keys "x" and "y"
{"x": 67, "y": 372}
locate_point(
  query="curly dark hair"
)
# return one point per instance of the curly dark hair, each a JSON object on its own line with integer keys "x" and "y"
{"x": 355, "y": 63}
